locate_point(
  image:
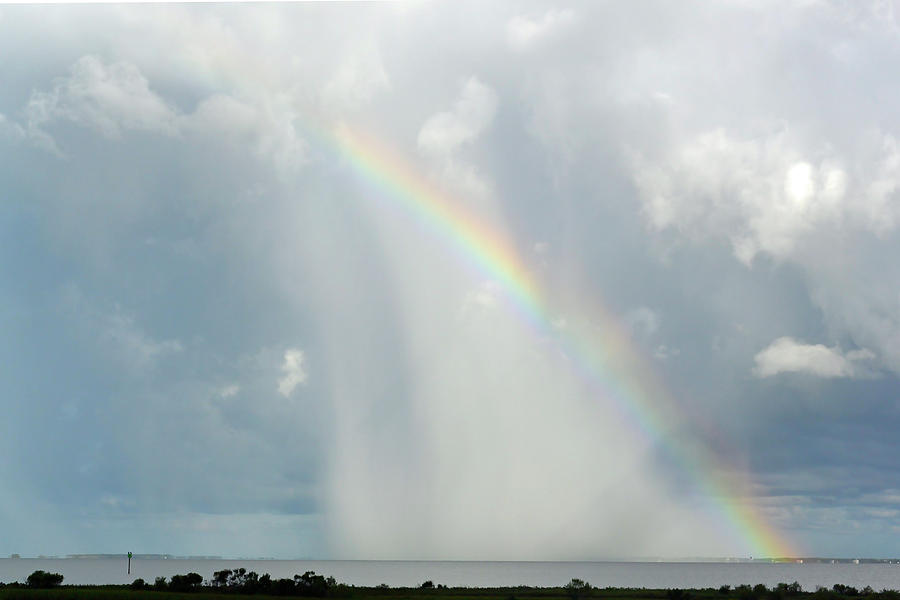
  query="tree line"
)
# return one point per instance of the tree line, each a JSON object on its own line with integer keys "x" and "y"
{"x": 238, "y": 581}
{"x": 242, "y": 581}
{"x": 310, "y": 584}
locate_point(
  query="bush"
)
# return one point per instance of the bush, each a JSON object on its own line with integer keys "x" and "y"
{"x": 283, "y": 587}
{"x": 725, "y": 590}
{"x": 788, "y": 589}
{"x": 138, "y": 584}
{"x": 185, "y": 583}
{"x": 160, "y": 584}
{"x": 43, "y": 579}
{"x": 677, "y": 594}
{"x": 310, "y": 584}
{"x": 427, "y": 585}
{"x": 220, "y": 578}
{"x": 844, "y": 590}
{"x": 577, "y": 588}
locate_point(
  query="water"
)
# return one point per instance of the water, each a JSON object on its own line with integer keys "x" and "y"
{"x": 475, "y": 574}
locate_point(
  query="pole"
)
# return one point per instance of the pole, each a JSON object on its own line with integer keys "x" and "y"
{"x": 129, "y": 563}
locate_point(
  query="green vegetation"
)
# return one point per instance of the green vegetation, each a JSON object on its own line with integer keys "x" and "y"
{"x": 577, "y": 588}
{"x": 43, "y": 579}
{"x": 227, "y": 584}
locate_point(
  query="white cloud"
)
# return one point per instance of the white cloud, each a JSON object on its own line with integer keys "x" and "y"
{"x": 763, "y": 194}
{"x": 112, "y": 98}
{"x": 357, "y": 79}
{"x": 880, "y": 208}
{"x": 643, "y": 321}
{"x": 224, "y": 115}
{"x": 664, "y": 352}
{"x": 484, "y": 298}
{"x": 229, "y": 390}
{"x": 294, "y": 370}
{"x": 541, "y": 252}
{"x": 266, "y": 125}
{"x": 829, "y": 210}
{"x": 524, "y": 32}
{"x": 787, "y": 355}
{"x": 107, "y": 97}
{"x": 446, "y": 131}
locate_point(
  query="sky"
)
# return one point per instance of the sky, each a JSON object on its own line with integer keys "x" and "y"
{"x": 507, "y": 280}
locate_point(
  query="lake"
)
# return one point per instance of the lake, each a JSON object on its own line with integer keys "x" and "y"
{"x": 475, "y": 574}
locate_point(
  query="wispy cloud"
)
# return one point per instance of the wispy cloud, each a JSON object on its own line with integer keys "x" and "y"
{"x": 524, "y": 32}
{"x": 294, "y": 369}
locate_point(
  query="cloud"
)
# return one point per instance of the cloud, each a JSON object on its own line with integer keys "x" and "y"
{"x": 446, "y": 131}
{"x": 130, "y": 343}
{"x": 664, "y": 352}
{"x": 643, "y": 321}
{"x": 10, "y": 128}
{"x": 225, "y": 116}
{"x": 112, "y": 98}
{"x": 443, "y": 135}
{"x": 523, "y": 33}
{"x": 825, "y": 208}
{"x": 115, "y": 332}
{"x": 294, "y": 370}
{"x": 786, "y": 355}
{"x": 266, "y": 125}
{"x": 359, "y": 76}
{"x": 890, "y": 496}
{"x": 790, "y": 165}
{"x": 763, "y": 194}
{"x": 486, "y": 296}
{"x": 229, "y": 390}
{"x": 109, "y": 98}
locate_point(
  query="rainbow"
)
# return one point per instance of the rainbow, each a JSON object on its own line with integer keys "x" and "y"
{"x": 642, "y": 402}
